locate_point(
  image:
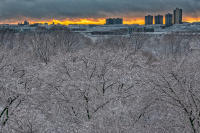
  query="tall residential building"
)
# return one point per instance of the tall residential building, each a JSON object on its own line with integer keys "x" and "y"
{"x": 168, "y": 19}
{"x": 159, "y": 19}
{"x": 177, "y": 18}
{"x": 148, "y": 20}
{"x": 110, "y": 21}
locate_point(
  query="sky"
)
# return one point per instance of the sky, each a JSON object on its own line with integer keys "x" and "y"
{"x": 93, "y": 11}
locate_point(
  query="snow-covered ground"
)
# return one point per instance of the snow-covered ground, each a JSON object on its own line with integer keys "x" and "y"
{"x": 158, "y": 29}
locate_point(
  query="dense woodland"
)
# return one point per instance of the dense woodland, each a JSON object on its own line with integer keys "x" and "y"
{"x": 63, "y": 82}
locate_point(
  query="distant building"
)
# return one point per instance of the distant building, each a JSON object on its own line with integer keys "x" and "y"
{"x": 168, "y": 19}
{"x": 177, "y": 18}
{"x": 159, "y": 19}
{"x": 118, "y": 21}
{"x": 111, "y": 21}
{"x": 132, "y": 29}
{"x": 26, "y": 22}
{"x": 35, "y": 25}
{"x": 23, "y": 24}
{"x": 148, "y": 20}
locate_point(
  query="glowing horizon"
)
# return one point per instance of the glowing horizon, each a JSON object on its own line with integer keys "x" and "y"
{"x": 97, "y": 21}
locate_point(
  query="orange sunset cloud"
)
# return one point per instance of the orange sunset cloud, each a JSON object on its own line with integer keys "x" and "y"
{"x": 97, "y": 21}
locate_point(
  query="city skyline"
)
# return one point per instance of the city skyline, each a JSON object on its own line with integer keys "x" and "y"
{"x": 98, "y": 21}
{"x": 92, "y": 11}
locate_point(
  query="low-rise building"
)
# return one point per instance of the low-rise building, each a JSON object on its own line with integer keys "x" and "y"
{"x": 111, "y": 21}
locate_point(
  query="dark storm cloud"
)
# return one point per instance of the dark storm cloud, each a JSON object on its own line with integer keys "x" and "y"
{"x": 92, "y": 8}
